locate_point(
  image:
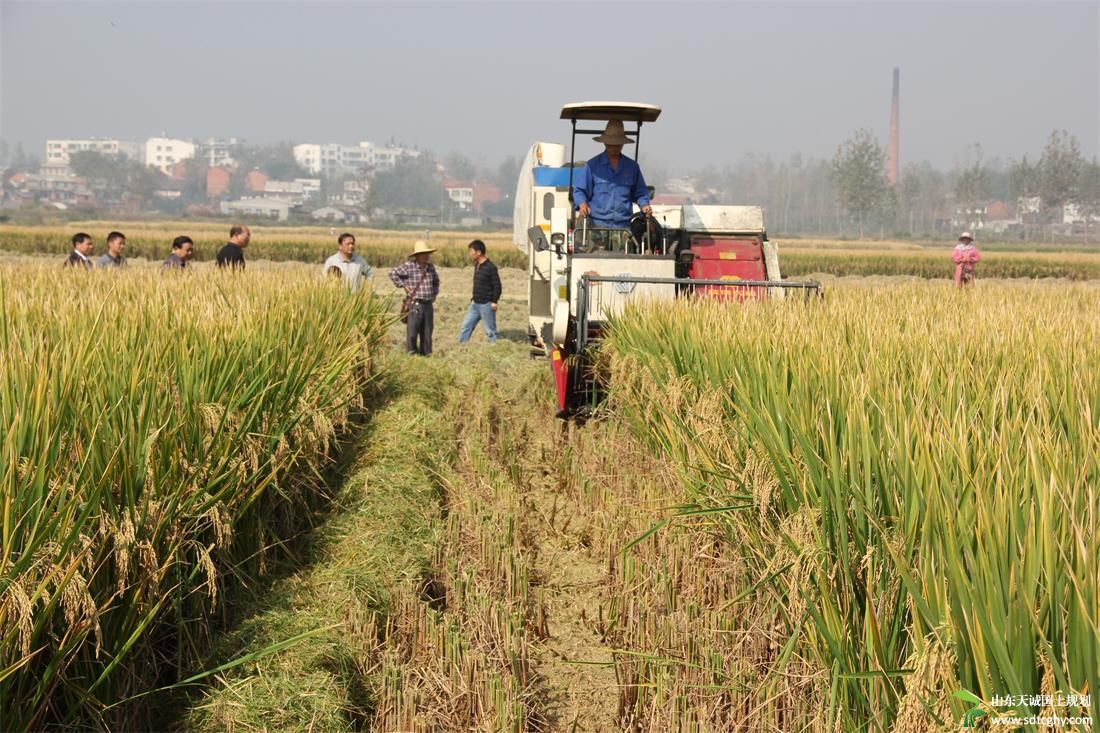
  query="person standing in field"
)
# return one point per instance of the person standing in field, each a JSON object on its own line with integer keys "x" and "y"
{"x": 418, "y": 277}
{"x": 182, "y": 250}
{"x": 116, "y": 242}
{"x": 232, "y": 254}
{"x": 965, "y": 256}
{"x": 353, "y": 267}
{"x": 82, "y": 248}
{"x": 483, "y": 304}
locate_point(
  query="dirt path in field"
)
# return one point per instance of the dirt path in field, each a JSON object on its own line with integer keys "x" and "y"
{"x": 577, "y": 688}
{"x": 575, "y": 660}
{"x": 499, "y": 621}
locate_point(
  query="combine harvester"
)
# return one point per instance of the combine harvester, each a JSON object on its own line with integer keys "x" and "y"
{"x": 580, "y": 276}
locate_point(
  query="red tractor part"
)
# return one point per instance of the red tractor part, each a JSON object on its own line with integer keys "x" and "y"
{"x": 561, "y": 377}
{"x": 727, "y": 258}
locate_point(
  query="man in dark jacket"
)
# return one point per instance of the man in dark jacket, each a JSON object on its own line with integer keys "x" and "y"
{"x": 116, "y": 242}
{"x": 82, "y": 249}
{"x": 182, "y": 250}
{"x": 483, "y": 305}
{"x": 232, "y": 254}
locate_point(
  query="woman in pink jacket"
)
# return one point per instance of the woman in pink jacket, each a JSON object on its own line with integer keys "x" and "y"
{"x": 965, "y": 256}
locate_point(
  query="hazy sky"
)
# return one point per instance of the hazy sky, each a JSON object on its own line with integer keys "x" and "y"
{"x": 488, "y": 79}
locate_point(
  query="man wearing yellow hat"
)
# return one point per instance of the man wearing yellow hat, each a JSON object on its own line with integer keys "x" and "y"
{"x": 612, "y": 183}
{"x": 418, "y": 277}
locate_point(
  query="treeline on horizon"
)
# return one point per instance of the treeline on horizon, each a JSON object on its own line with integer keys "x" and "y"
{"x": 847, "y": 196}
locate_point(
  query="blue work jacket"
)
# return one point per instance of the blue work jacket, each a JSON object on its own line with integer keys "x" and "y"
{"x": 610, "y": 192}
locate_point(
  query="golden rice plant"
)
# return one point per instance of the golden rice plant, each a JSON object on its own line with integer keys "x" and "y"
{"x": 161, "y": 433}
{"x": 927, "y": 520}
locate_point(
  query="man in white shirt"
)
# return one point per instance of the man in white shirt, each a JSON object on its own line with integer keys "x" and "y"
{"x": 354, "y": 268}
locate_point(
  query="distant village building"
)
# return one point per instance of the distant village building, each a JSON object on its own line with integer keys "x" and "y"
{"x": 258, "y": 207}
{"x": 1029, "y": 209}
{"x": 59, "y": 150}
{"x": 328, "y": 213}
{"x": 255, "y": 181}
{"x": 65, "y": 190}
{"x": 997, "y": 211}
{"x": 293, "y": 192}
{"x": 1072, "y": 214}
{"x": 217, "y": 182}
{"x": 333, "y": 159}
{"x": 354, "y": 193}
{"x": 386, "y": 157}
{"x": 56, "y": 169}
{"x": 460, "y": 192}
{"x": 163, "y": 152}
{"x": 217, "y": 152}
{"x": 471, "y": 195}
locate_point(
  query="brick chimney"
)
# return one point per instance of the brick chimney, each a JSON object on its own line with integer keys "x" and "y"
{"x": 892, "y": 150}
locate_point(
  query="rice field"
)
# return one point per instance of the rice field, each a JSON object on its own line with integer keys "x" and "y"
{"x": 935, "y": 263}
{"x": 908, "y": 475}
{"x": 386, "y": 248}
{"x": 828, "y": 516}
{"x": 162, "y": 436}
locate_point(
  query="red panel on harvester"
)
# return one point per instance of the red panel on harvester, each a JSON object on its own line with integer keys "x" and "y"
{"x": 728, "y": 258}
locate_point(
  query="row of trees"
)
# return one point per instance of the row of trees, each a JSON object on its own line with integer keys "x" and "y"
{"x": 417, "y": 183}
{"x": 925, "y": 197}
{"x": 848, "y": 195}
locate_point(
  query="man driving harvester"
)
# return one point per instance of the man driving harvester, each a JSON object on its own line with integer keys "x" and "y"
{"x": 612, "y": 183}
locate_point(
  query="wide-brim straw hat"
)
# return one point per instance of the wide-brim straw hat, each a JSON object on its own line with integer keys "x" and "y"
{"x": 966, "y": 235}
{"x": 420, "y": 247}
{"x": 613, "y": 134}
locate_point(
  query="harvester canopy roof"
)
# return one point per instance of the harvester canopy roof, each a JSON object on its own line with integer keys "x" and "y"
{"x": 623, "y": 111}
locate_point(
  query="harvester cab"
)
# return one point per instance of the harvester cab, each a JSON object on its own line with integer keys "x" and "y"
{"x": 580, "y": 276}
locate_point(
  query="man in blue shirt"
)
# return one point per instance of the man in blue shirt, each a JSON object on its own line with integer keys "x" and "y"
{"x": 612, "y": 183}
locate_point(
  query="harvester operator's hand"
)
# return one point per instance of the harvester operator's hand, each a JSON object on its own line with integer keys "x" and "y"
{"x": 647, "y": 210}
{"x": 584, "y": 209}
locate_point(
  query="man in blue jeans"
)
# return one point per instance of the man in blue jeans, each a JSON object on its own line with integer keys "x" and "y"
{"x": 483, "y": 305}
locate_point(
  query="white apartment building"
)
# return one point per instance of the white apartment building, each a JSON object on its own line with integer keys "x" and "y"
{"x": 460, "y": 192}
{"x": 217, "y": 151}
{"x": 58, "y": 150}
{"x": 334, "y": 159}
{"x": 385, "y": 157}
{"x": 163, "y": 152}
{"x": 331, "y": 159}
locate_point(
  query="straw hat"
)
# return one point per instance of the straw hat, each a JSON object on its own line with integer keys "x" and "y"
{"x": 421, "y": 247}
{"x": 613, "y": 134}
{"x": 966, "y": 235}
